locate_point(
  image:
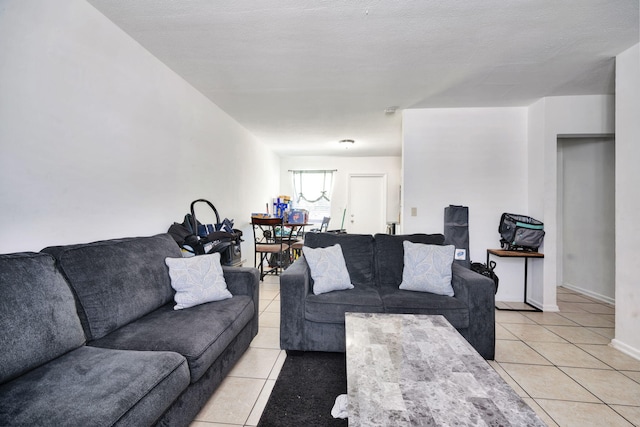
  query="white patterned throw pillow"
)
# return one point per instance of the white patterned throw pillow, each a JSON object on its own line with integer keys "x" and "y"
{"x": 328, "y": 269}
{"x": 197, "y": 280}
{"x": 427, "y": 268}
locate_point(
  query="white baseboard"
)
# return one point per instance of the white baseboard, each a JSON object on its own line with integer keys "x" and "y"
{"x": 626, "y": 349}
{"x": 544, "y": 307}
{"x": 589, "y": 293}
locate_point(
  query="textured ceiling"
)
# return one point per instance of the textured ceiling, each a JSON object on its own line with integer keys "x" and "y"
{"x": 303, "y": 74}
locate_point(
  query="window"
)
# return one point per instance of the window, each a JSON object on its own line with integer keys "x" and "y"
{"x": 312, "y": 190}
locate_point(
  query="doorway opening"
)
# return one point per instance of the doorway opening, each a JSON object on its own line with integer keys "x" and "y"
{"x": 586, "y": 215}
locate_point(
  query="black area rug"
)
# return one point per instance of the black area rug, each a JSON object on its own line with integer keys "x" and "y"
{"x": 306, "y": 390}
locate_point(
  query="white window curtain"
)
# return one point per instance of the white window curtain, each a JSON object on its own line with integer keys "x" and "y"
{"x": 312, "y": 191}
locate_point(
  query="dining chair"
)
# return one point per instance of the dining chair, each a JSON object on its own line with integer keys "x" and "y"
{"x": 271, "y": 244}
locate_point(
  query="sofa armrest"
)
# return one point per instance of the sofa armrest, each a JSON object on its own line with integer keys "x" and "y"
{"x": 295, "y": 285}
{"x": 478, "y": 292}
{"x": 245, "y": 281}
{"x": 241, "y": 280}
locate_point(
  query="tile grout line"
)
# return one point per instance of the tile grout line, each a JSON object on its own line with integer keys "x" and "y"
{"x": 264, "y": 384}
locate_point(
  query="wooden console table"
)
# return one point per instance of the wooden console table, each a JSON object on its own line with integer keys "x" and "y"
{"x": 517, "y": 254}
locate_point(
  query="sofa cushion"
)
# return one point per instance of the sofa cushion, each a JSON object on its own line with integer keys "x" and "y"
{"x": 199, "y": 333}
{"x": 38, "y": 319}
{"x": 95, "y": 387}
{"x": 390, "y": 254}
{"x": 427, "y": 268}
{"x": 197, "y": 280}
{"x": 409, "y": 302}
{"x": 117, "y": 281}
{"x": 330, "y": 307}
{"x": 357, "y": 250}
{"x": 328, "y": 269}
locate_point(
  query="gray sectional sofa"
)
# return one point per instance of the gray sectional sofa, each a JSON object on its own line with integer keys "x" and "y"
{"x": 375, "y": 264}
{"x": 89, "y": 336}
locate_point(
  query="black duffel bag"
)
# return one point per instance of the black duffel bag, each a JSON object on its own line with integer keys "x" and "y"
{"x": 488, "y": 271}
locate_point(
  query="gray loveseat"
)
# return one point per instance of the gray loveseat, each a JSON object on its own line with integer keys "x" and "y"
{"x": 89, "y": 336}
{"x": 311, "y": 322}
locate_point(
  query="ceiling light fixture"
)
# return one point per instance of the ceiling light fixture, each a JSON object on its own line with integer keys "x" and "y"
{"x": 391, "y": 110}
{"x": 346, "y": 143}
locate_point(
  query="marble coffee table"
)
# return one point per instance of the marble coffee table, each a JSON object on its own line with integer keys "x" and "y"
{"x": 415, "y": 370}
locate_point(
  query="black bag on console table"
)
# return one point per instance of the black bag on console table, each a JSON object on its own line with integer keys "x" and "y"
{"x": 520, "y": 232}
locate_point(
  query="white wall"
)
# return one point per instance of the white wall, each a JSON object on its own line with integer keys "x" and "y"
{"x": 345, "y": 166}
{"x": 550, "y": 118}
{"x": 467, "y": 156}
{"x": 98, "y": 139}
{"x": 586, "y": 227}
{"x": 627, "y": 201}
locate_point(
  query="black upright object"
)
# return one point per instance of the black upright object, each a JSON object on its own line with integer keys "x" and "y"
{"x": 456, "y": 231}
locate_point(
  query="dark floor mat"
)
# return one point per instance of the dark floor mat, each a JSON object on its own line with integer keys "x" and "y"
{"x": 305, "y": 391}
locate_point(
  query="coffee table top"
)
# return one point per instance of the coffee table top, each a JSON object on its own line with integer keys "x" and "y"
{"x": 405, "y": 369}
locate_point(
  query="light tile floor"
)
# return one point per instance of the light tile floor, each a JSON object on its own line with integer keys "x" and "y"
{"x": 242, "y": 396}
{"x": 559, "y": 363}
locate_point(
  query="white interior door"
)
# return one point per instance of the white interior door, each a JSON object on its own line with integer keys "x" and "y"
{"x": 367, "y": 206}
